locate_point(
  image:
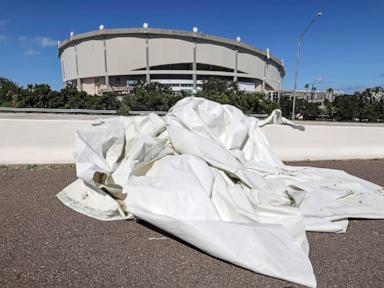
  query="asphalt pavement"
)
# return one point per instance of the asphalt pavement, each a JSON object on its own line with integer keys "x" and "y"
{"x": 45, "y": 244}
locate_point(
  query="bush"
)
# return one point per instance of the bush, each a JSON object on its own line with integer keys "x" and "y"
{"x": 361, "y": 106}
{"x": 151, "y": 97}
{"x": 7, "y": 88}
{"x": 227, "y": 92}
{"x": 41, "y": 96}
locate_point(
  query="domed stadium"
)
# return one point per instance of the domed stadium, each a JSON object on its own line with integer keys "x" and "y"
{"x": 115, "y": 59}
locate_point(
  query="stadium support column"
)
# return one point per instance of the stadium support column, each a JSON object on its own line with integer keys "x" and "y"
{"x": 78, "y": 80}
{"x": 78, "y": 84}
{"x": 281, "y": 80}
{"x": 238, "y": 40}
{"x": 148, "y": 76}
{"x": 105, "y": 63}
{"x": 194, "y": 68}
{"x": 265, "y": 69}
{"x": 62, "y": 70}
{"x": 236, "y": 55}
{"x": 194, "y": 65}
{"x": 264, "y": 77}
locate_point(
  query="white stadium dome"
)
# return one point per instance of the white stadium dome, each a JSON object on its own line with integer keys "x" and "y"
{"x": 112, "y": 59}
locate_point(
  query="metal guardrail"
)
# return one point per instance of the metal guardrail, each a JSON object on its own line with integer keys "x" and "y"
{"x": 258, "y": 116}
{"x": 62, "y": 111}
{"x": 91, "y": 111}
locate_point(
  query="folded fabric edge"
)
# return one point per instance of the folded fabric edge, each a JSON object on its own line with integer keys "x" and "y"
{"x": 68, "y": 197}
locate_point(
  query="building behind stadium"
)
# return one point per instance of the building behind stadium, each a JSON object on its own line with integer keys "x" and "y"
{"x": 115, "y": 59}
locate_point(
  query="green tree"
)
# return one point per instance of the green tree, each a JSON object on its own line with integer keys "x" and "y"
{"x": 227, "y": 92}
{"x": 286, "y": 106}
{"x": 303, "y": 108}
{"x": 347, "y": 107}
{"x": 151, "y": 96}
{"x": 309, "y": 111}
{"x": 7, "y": 89}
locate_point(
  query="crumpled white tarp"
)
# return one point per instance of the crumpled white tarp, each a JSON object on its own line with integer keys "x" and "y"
{"x": 207, "y": 174}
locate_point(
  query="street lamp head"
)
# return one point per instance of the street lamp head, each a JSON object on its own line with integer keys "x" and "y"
{"x": 195, "y": 29}
{"x": 319, "y": 14}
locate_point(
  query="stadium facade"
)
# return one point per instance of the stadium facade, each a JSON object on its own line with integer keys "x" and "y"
{"x": 114, "y": 59}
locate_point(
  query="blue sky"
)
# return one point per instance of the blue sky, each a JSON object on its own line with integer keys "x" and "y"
{"x": 345, "y": 46}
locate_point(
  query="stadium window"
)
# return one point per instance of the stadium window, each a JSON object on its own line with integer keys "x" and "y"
{"x": 275, "y": 96}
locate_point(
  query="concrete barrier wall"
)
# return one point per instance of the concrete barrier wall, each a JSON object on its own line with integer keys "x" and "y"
{"x": 36, "y": 141}
{"x": 325, "y": 142}
{"x": 26, "y": 141}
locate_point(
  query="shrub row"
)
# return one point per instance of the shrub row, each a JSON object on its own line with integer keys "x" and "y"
{"x": 361, "y": 106}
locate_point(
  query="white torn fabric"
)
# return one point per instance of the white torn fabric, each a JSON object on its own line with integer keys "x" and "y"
{"x": 207, "y": 174}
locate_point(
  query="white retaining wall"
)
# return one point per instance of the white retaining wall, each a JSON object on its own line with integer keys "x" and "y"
{"x": 37, "y": 141}
{"x": 326, "y": 142}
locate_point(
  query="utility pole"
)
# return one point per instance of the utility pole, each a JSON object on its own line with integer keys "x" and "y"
{"x": 299, "y": 39}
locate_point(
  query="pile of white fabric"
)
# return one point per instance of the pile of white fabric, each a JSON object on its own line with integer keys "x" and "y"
{"x": 207, "y": 174}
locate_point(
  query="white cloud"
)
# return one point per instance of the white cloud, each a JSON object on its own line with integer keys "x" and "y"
{"x": 353, "y": 89}
{"x": 31, "y": 52}
{"x": 45, "y": 41}
{"x": 24, "y": 42}
{"x": 3, "y": 22}
{"x": 3, "y": 37}
{"x": 40, "y": 41}
{"x": 31, "y": 46}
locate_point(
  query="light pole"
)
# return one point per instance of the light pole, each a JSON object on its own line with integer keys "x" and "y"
{"x": 298, "y": 60}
